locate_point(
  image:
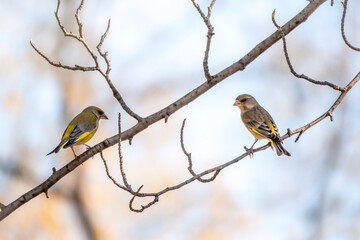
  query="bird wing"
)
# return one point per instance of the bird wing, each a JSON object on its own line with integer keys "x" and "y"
{"x": 79, "y": 132}
{"x": 267, "y": 129}
{"x": 261, "y": 123}
{"x": 79, "y": 128}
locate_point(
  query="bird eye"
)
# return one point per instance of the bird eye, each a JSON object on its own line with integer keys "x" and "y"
{"x": 243, "y": 100}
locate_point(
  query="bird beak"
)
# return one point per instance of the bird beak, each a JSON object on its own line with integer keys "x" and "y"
{"x": 237, "y": 102}
{"x": 104, "y": 117}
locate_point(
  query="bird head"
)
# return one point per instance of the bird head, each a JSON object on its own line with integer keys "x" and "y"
{"x": 245, "y": 102}
{"x": 99, "y": 113}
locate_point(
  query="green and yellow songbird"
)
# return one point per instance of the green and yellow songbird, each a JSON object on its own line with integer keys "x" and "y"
{"x": 259, "y": 123}
{"x": 81, "y": 129}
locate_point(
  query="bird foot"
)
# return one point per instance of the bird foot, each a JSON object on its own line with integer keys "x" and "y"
{"x": 270, "y": 144}
{"x": 75, "y": 156}
{"x": 249, "y": 151}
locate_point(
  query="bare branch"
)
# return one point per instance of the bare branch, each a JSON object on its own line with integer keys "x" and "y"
{"x": 97, "y": 67}
{"x": 103, "y": 38}
{"x": 106, "y": 75}
{"x": 127, "y": 186}
{"x": 48, "y": 183}
{"x": 217, "y": 169}
{"x": 66, "y": 33}
{"x": 105, "y": 55}
{"x": 173, "y": 107}
{"x": 188, "y": 155}
{"x": 59, "y": 64}
{"x": 57, "y": 175}
{"x": 121, "y": 160}
{"x": 78, "y": 20}
{"x": 303, "y": 76}
{"x": 327, "y": 113}
{"x": 335, "y": 87}
{"x": 209, "y": 35}
{"x": 343, "y": 27}
{"x": 210, "y": 8}
{"x": 197, "y": 176}
{"x": 199, "y": 9}
{"x": 109, "y": 175}
{"x": 156, "y": 199}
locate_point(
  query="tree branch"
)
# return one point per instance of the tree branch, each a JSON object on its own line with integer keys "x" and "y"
{"x": 188, "y": 155}
{"x": 343, "y": 90}
{"x": 81, "y": 39}
{"x": 143, "y": 207}
{"x": 127, "y": 186}
{"x": 165, "y": 113}
{"x": 209, "y": 35}
{"x": 216, "y": 170}
{"x": 303, "y": 76}
{"x": 60, "y": 65}
{"x": 327, "y": 113}
{"x": 343, "y": 27}
{"x": 121, "y": 159}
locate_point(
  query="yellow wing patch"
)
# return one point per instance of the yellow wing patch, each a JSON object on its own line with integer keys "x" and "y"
{"x": 64, "y": 144}
{"x": 271, "y": 127}
{"x": 83, "y": 138}
{"x": 257, "y": 132}
{"x": 68, "y": 131}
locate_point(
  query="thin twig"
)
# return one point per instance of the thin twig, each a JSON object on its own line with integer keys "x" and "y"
{"x": 60, "y": 65}
{"x": 143, "y": 207}
{"x": 77, "y": 16}
{"x": 121, "y": 159}
{"x": 328, "y": 113}
{"x": 81, "y": 39}
{"x": 109, "y": 175}
{"x": 127, "y": 186}
{"x": 209, "y": 35}
{"x": 204, "y": 173}
{"x": 303, "y": 76}
{"x": 105, "y": 55}
{"x": 188, "y": 155}
{"x": 343, "y": 27}
{"x": 66, "y": 33}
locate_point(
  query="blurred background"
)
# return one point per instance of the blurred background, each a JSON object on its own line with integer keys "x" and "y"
{"x": 156, "y": 50}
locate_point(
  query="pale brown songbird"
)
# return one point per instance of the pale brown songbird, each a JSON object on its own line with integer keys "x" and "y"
{"x": 259, "y": 123}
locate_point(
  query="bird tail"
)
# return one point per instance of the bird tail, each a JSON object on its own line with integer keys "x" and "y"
{"x": 57, "y": 149}
{"x": 280, "y": 149}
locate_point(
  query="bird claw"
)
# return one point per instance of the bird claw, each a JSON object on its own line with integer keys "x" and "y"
{"x": 250, "y": 151}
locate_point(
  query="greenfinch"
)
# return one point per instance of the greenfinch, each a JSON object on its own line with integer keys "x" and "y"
{"x": 259, "y": 123}
{"x": 81, "y": 129}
